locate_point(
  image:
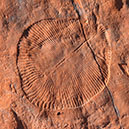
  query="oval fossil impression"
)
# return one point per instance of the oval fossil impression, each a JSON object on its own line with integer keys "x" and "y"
{"x": 57, "y": 68}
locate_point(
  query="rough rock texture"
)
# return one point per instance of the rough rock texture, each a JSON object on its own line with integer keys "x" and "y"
{"x": 78, "y": 53}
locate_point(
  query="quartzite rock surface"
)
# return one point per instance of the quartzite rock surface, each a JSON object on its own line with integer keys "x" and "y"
{"x": 102, "y": 22}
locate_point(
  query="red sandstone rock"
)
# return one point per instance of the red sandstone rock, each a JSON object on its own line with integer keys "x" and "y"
{"x": 95, "y": 100}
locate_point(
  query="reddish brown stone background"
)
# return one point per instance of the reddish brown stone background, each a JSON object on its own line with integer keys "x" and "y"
{"x": 109, "y": 109}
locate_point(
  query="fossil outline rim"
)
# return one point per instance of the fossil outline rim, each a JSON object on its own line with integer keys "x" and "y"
{"x": 41, "y": 104}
